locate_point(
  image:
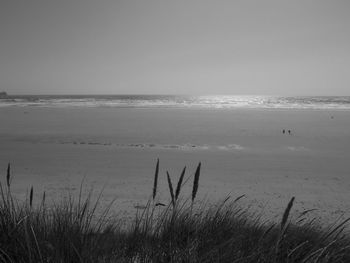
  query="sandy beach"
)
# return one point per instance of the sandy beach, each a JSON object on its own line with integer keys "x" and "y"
{"x": 243, "y": 151}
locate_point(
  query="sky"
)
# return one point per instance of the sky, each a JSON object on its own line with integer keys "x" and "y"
{"x": 261, "y": 47}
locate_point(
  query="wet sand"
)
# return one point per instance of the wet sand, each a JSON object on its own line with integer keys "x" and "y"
{"x": 242, "y": 152}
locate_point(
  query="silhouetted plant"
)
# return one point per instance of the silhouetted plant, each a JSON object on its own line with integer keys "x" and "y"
{"x": 179, "y": 183}
{"x": 171, "y": 190}
{"x": 155, "y": 183}
{"x": 196, "y": 182}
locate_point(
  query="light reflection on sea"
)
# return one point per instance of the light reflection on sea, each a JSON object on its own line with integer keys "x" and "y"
{"x": 175, "y": 101}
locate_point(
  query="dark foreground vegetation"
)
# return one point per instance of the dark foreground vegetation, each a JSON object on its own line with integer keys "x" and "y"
{"x": 71, "y": 231}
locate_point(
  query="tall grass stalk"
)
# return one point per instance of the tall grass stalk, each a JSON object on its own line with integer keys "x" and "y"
{"x": 171, "y": 190}
{"x": 8, "y": 175}
{"x": 155, "y": 183}
{"x": 283, "y": 228}
{"x": 179, "y": 183}
{"x": 196, "y": 182}
{"x": 31, "y": 197}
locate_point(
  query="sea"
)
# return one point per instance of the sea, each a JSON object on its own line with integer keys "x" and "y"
{"x": 179, "y": 101}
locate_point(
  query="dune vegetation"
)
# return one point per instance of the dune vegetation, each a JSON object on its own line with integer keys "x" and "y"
{"x": 71, "y": 230}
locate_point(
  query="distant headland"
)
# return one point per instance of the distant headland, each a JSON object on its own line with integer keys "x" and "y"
{"x": 3, "y": 94}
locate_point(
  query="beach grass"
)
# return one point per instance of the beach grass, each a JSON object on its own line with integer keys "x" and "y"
{"x": 72, "y": 230}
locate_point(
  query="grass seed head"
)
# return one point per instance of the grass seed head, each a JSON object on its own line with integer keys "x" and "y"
{"x": 171, "y": 189}
{"x": 8, "y": 175}
{"x": 155, "y": 180}
{"x": 179, "y": 184}
{"x": 196, "y": 182}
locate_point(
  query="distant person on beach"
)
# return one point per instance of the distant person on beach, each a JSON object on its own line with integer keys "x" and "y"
{"x": 289, "y": 132}
{"x": 284, "y": 131}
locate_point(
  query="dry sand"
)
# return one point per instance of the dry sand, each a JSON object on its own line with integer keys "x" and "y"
{"x": 242, "y": 152}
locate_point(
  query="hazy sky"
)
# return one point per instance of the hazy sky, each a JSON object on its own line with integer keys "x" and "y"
{"x": 257, "y": 47}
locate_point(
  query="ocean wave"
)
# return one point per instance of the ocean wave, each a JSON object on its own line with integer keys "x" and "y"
{"x": 162, "y": 101}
